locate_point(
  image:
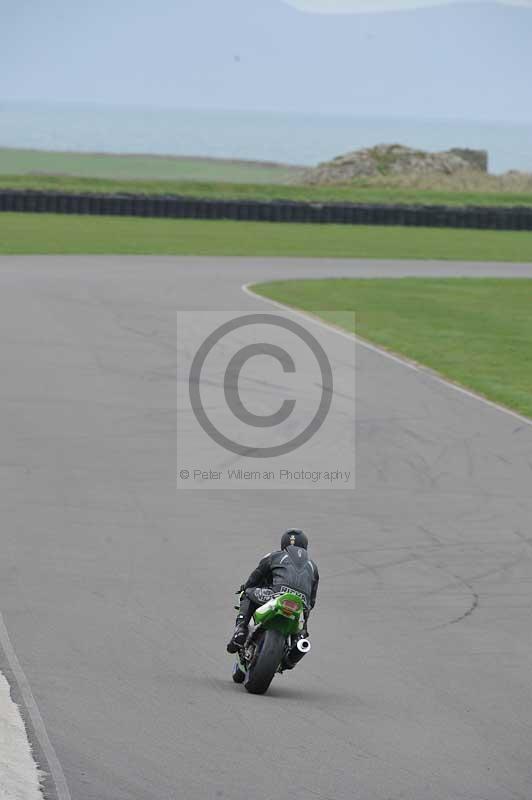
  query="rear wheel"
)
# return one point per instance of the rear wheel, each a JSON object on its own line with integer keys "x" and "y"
{"x": 270, "y": 651}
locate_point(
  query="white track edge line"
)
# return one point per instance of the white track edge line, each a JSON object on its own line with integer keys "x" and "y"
{"x": 37, "y": 721}
{"x": 391, "y": 356}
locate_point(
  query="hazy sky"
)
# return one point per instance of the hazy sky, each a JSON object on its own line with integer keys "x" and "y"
{"x": 373, "y": 6}
{"x": 441, "y": 59}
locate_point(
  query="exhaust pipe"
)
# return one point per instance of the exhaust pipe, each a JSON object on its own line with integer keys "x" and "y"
{"x": 295, "y": 655}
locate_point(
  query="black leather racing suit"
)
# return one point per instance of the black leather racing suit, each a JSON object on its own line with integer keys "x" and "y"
{"x": 284, "y": 570}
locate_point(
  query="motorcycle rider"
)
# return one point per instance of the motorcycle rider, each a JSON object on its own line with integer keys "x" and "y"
{"x": 287, "y": 569}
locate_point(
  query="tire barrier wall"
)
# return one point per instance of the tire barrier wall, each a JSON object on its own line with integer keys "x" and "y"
{"x": 173, "y": 207}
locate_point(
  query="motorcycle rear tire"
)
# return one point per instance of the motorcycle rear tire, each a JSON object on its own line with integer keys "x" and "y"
{"x": 270, "y": 650}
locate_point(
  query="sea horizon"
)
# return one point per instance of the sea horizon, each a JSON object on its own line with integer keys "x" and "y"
{"x": 291, "y": 138}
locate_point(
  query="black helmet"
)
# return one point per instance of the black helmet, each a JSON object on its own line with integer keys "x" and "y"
{"x": 294, "y": 536}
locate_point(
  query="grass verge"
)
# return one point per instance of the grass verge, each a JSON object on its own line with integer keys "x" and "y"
{"x": 141, "y": 167}
{"x": 362, "y": 192}
{"x": 476, "y": 332}
{"x": 50, "y": 233}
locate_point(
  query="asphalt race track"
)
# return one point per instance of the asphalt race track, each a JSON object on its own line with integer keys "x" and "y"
{"x": 117, "y": 590}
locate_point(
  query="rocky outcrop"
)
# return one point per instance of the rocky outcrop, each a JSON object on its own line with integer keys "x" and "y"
{"x": 395, "y": 159}
{"x": 475, "y": 159}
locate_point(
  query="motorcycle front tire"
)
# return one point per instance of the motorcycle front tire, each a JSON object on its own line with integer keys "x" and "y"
{"x": 238, "y": 675}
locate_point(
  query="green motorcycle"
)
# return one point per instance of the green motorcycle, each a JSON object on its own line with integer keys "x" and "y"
{"x": 276, "y": 642}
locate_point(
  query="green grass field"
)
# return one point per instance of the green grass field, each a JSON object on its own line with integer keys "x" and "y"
{"x": 476, "y": 332}
{"x": 148, "y": 174}
{"x": 138, "y": 167}
{"x": 50, "y": 233}
{"x": 357, "y": 193}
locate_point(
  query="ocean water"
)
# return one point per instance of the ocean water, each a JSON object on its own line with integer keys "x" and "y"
{"x": 290, "y": 138}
